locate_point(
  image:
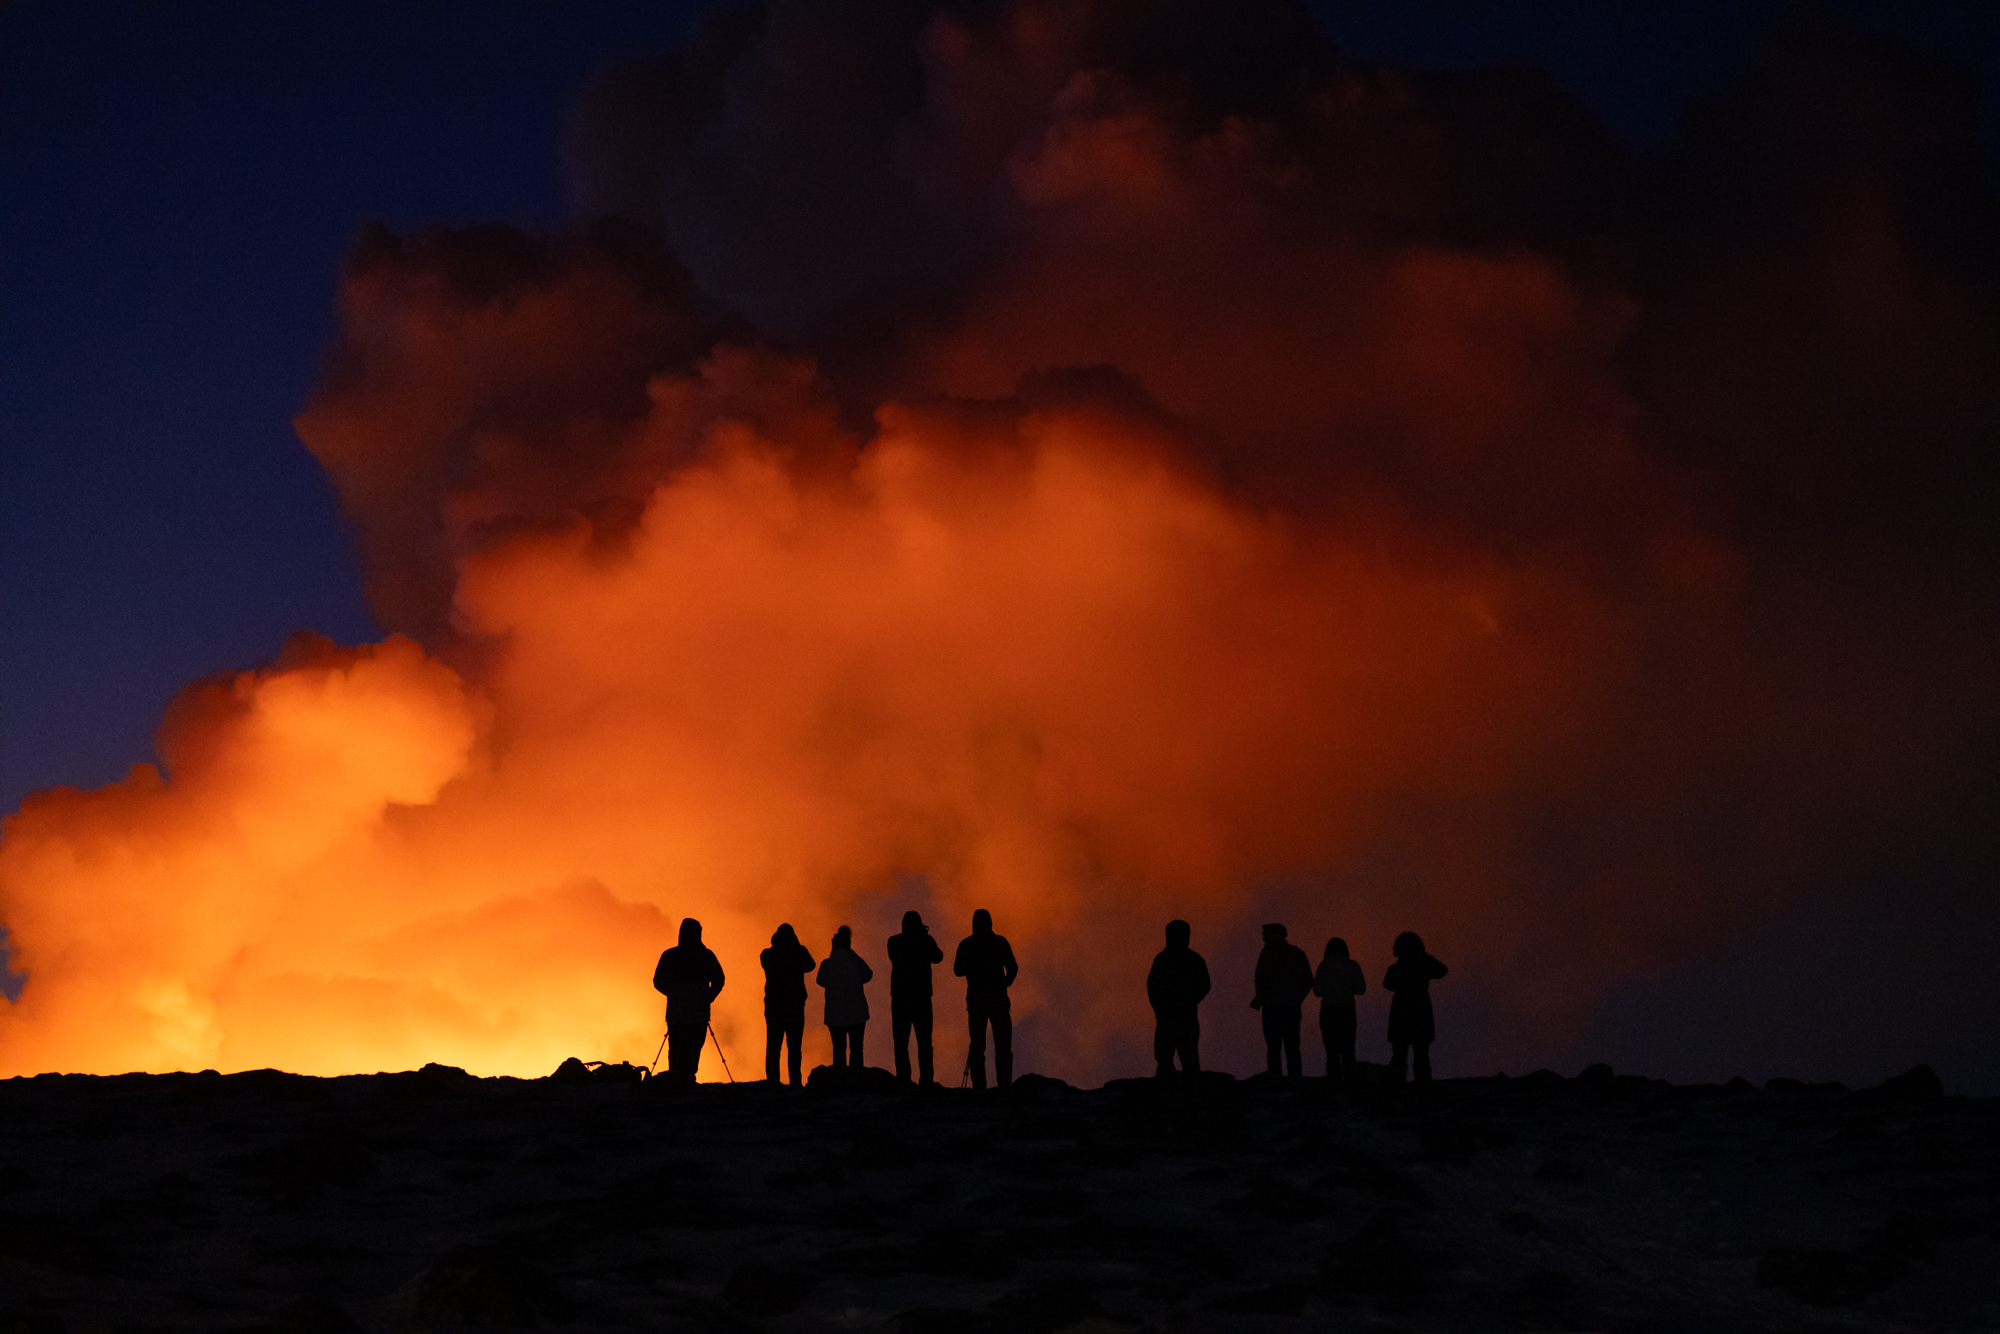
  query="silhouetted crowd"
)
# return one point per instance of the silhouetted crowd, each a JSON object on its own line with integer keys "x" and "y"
{"x": 691, "y": 977}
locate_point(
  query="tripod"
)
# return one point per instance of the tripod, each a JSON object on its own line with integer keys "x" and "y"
{"x": 718, "y": 1051}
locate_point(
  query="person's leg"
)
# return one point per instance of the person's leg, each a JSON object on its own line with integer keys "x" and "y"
{"x": 855, "y": 1037}
{"x": 795, "y": 1038}
{"x": 1273, "y": 1041}
{"x": 1163, "y": 1046}
{"x": 920, "y": 1022}
{"x": 1003, "y": 1047}
{"x": 1399, "y": 1061}
{"x": 899, "y": 1035}
{"x": 1293, "y": 1046}
{"x": 1343, "y": 1044}
{"x": 684, "y": 1046}
{"x": 1191, "y": 1047}
{"x": 975, "y": 1054}
{"x": 774, "y": 1038}
{"x": 1423, "y": 1055}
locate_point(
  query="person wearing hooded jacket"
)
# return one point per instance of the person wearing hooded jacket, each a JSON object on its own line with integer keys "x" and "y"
{"x": 912, "y": 951}
{"x": 1175, "y": 986}
{"x": 785, "y": 965}
{"x": 986, "y": 962}
{"x": 1284, "y": 980}
{"x": 690, "y": 977}
{"x": 844, "y": 977}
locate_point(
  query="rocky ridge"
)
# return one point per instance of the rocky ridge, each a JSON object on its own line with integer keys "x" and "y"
{"x": 434, "y": 1200}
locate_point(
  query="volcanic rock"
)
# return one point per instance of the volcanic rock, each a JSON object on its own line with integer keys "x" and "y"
{"x": 437, "y": 1201}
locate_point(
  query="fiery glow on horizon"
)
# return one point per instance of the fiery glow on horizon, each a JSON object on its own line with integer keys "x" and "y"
{"x": 1144, "y": 473}
{"x": 1034, "y": 659}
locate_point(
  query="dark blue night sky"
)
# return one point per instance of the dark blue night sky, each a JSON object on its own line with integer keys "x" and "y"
{"x": 180, "y": 185}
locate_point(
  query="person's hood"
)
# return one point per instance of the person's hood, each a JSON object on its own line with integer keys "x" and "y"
{"x": 690, "y": 931}
{"x": 982, "y": 922}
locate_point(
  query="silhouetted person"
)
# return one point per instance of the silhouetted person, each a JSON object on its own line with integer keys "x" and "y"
{"x": 911, "y": 954}
{"x": 786, "y": 964}
{"x": 690, "y": 977}
{"x": 1175, "y": 986}
{"x": 986, "y": 962}
{"x": 845, "y": 977}
{"x": 1284, "y": 980}
{"x": 1411, "y": 1021}
{"x": 1337, "y": 982}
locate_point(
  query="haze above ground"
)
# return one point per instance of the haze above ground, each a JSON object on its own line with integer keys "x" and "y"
{"x": 180, "y": 187}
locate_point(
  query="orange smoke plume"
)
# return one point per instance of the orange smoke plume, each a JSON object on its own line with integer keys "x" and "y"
{"x": 1029, "y": 655}
{"x": 1264, "y": 525}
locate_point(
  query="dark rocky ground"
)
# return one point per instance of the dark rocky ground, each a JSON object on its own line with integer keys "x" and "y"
{"x": 434, "y": 1200}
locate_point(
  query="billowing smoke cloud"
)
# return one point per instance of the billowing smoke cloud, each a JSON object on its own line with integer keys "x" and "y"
{"x": 1106, "y": 463}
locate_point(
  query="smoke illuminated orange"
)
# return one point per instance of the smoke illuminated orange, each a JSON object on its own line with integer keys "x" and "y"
{"x": 1238, "y": 514}
{"x": 1034, "y": 659}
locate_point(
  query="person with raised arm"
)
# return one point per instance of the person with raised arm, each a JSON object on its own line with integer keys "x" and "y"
{"x": 912, "y": 951}
{"x": 1412, "y": 1023}
{"x": 690, "y": 977}
{"x": 845, "y": 976}
{"x": 986, "y": 962}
